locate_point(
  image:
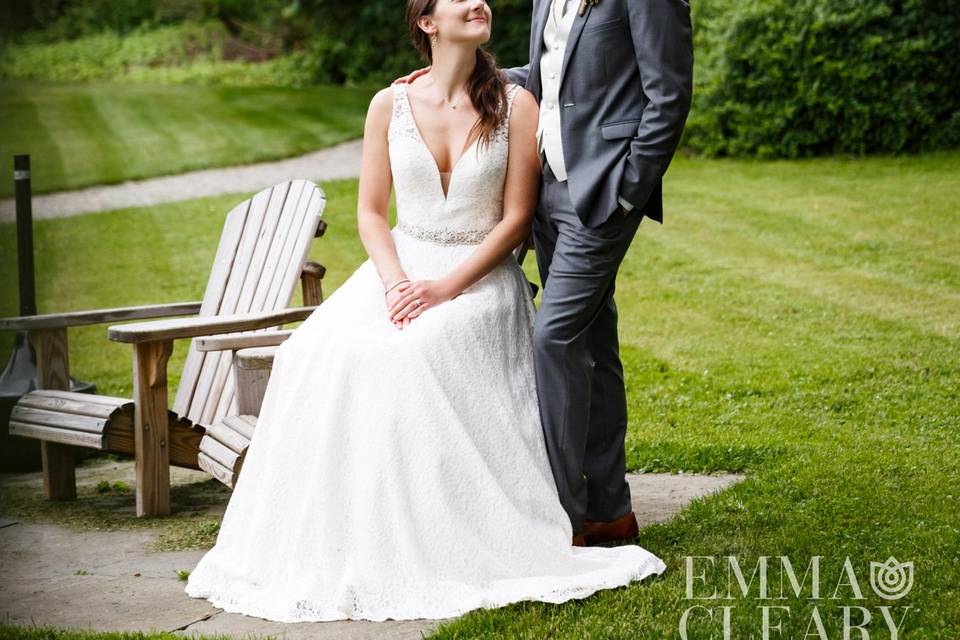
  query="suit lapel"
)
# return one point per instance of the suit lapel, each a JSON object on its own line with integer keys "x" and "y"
{"x": 575, "y": 31}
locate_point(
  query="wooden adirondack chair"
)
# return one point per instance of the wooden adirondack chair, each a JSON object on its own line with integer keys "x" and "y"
{"x": 223, "y": 447}
{"x": 261, "y": 256}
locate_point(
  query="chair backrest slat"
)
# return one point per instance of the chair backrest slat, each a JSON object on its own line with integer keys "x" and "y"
{"x": 241, "y": 262}
{"x": 300, "y": 245}
{"x": 267, "y": 235}
{"x": 237, "y": 299}
{"x": 233, "y": 228}
{"x": 275, "y": 289}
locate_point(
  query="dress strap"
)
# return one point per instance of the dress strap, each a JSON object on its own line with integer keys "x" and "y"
{"x": 402, "y": 124}
{"x": 512, "y": 91}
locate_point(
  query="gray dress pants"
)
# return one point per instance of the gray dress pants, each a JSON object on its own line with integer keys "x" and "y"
{"x": 583, "y": 404}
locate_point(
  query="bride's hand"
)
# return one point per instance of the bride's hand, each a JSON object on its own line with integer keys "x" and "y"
{"x": 418, "y": 296}
{"x": 392, "y": 297}
{"x": 407, "y": 79}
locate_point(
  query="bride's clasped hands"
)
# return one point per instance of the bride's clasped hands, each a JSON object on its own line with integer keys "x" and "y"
{"x": 407, "y": 299}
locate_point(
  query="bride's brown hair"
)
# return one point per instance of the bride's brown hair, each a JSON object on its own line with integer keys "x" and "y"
{"x": 487, "y": 85}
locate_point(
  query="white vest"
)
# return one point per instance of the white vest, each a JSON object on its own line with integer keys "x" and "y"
{"x": 555, "y": 36}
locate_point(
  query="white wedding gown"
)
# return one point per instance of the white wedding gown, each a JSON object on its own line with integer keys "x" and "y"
{"x": 403, "y": 473}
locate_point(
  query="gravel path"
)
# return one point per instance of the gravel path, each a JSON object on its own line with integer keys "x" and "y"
{"x": 341, "y": 161}
{"x": 110, "y": 581}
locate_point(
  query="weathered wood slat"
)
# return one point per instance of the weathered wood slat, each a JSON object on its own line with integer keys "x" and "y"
{"x": 216, "y": 285}
{"x": 226, "y": 436}
{"x": 245, "y": 340}
{"x": 281, "y": 221}
{"x": 158, "y": 330}
{"x": 217, "y": 470}
{"x": 220, "y": 452}
{"x": 292, "y": 217}
{"x": 66, "y": 421}
{"x": 97, "y": 316}
{"x": 220, "y": 396}
{"x": 221, "y": 380}
{"x": 35, "y": 400}
{"x": 241, "y": 424}
{"x": 228, "y": 301}
{"x": 272, "y": 235}
{"x": 58, "y": 436}
{"x": 290, "y": 252}
{"x": 285, "y": 279}
{"x": 82, "y": 397}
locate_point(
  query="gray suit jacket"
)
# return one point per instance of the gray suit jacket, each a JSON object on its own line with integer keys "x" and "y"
{"x": 625, "y": 92}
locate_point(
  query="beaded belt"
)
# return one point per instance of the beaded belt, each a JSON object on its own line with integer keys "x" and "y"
{"x": 443, "y": 236}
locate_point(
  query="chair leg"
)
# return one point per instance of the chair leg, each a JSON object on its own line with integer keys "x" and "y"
{"x": 150, "y": 428}
{"x": 53, "y": 372}
{"x": 59, "y": 471}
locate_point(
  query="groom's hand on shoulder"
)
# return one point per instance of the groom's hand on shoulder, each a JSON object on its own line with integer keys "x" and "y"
{"x": 410, "y": 77}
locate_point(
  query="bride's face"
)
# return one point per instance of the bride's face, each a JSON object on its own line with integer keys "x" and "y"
{"x": 460, "y": 21}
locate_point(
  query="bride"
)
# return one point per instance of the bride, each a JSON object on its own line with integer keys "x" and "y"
{"x": 398, "y": 469}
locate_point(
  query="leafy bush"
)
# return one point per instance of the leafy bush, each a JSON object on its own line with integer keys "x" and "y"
{"x": 329, "y": 41}
{"x": 110, "y": 56}
{"x": 773, "y": 78}
{"x": 789, "y": 78}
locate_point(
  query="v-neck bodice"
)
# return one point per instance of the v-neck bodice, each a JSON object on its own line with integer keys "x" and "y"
{"x": 473, "y": 204}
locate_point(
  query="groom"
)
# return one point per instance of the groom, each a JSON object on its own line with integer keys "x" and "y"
{"x": 614, "y": 81}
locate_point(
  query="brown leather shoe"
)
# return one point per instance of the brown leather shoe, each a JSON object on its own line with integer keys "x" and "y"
{"x": 579, "y": 540}
{"x": 598, "y": 533}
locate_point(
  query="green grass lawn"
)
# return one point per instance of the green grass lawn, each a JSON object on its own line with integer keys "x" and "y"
{"x": 798, "y": 320}
{"x": 99, "y": 133}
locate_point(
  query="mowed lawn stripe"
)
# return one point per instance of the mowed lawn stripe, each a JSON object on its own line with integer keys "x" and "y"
{"x": 102, "y": 133}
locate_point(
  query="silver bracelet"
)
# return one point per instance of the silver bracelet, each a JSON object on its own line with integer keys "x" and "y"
{"x": 395, "y": 285}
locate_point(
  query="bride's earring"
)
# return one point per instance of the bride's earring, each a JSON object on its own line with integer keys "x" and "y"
{"x": 434, "y": 39}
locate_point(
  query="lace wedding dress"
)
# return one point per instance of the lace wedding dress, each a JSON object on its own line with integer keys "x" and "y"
{"x": 403, "y": 473}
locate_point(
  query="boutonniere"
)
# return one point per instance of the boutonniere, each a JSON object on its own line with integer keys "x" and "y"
{"x": 587, "y": 3}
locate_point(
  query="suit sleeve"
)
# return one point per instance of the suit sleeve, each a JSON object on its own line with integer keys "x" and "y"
{"x": 519, "y": 75}
{"x": 663, "y": 42}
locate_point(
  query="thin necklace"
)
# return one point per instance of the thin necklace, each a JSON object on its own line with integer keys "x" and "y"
{"x": 457, "y": 103}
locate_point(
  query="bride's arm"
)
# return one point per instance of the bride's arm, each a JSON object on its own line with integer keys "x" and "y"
{"x": 519, "y": 201}
{"x": 373, "y": 203}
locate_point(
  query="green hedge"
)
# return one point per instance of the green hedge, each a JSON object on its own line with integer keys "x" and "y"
{"x": 789, "y": 78}
{"x": 773, "y": 78}
{"x": 305, "y": 41}
{"x": 108, "y": 55}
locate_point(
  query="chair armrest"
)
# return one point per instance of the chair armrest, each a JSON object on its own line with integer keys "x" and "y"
{"x": 204, "y": 326}
{"x": 235, "y": 341}
{"x": 98, "y": 316}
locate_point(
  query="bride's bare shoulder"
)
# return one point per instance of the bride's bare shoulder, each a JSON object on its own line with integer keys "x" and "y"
{"x": 381, "y": 108}
{"x": 382, "y": 100}
{"x": 525, "y": 105}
